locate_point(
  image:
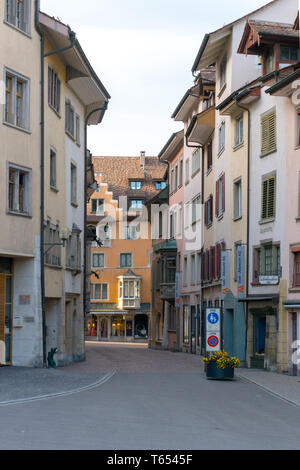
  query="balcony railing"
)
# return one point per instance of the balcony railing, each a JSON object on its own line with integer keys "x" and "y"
{"x": 167, "y": 291}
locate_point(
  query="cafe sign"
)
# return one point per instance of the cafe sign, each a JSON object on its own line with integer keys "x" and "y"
{"x": 268, "y": 280}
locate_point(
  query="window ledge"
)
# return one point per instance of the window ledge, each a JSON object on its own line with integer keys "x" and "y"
{"x": 20, "y": 214}
{"x": 267, "y": 221}
{"x": 294, "y": 289}
{"x": 54, "y": 110}
{"x": 297, "y": 219}
{"x": 238, "y": 146}
{"x": 74, "y": 204}
{"x": 208, "y": 226}
{"x": 54, "y": 189}
{"x": 222, "y": 89}
{"x": 52, "y": 266}
{"x": 13, "y": 126}
{"x": 209, "y": 171}
{"x": 220, "y": 152}
{"x": 297, "y": 147}
{"x": 28, "y": 35}
{"x": 71, "y": 136}
{"x": 236, "y": 219}
{"x": 195, "y": 173}
{"x": 268, "y": 153}
{"x": 220, "y": 217}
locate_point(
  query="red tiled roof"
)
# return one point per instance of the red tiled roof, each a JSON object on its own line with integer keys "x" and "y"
{"x": 117, "y": 172}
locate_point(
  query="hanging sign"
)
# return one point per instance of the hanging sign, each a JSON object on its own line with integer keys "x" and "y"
{"x": 225, "y": 273}
{"x": 241, "y": 284}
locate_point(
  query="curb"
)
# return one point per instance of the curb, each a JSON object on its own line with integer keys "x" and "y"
{"x": 270, "y": 391}
{"x": 100, "y": 382}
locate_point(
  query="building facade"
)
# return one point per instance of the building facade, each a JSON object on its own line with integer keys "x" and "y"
{"x": 45, "y": 114}
{"x": 120, "y": 290}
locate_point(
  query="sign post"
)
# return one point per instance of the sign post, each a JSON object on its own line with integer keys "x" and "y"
{"x": 213, "y": 329}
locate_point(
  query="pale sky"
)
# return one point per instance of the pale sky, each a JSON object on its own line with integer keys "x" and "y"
{"x": 143, "y": 52}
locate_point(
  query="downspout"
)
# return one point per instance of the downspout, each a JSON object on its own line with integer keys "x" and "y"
{"x": 248, "y": 215}
{"x": 42, "y": 174}
{"x": 103, "y": 108}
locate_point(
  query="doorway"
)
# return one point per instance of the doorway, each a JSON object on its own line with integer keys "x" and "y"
{"x": 229, "y": 332}
{"x": 193, "y": 330}
{"x": 6, "y": 306}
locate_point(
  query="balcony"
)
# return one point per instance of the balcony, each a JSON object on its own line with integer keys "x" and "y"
{"x": 167, "y": 291}
{"x": 202, "y": 127}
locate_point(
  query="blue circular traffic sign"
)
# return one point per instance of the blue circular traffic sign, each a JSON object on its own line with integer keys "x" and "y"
{"x": 213, "y": 318}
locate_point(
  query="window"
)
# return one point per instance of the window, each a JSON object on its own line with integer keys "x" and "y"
{"x": 19, "y": 190}
{"x": 266, "y": 261}
{"x": 73, "y": 184}
{"x": 223, "y": 68}
{"x": 97, "y": 206}
{"x": 53, "y": 254}
{"x": 172, "y": 180}
{"x": 270, "y": 60}
{"x": 268, "y": 133}
{"x": 180, "y": 219}
{"x": 187, "y": 171}
{"x": 160, "y": 185}
{"x": 196, "y": 209}
{"x": 98, "y": 260}
{"x": 199, "y": 267}
{"x": 196, "y": 161}
{"x": 171, "y": 235}
{"x": 125, "y": 260}
{"x": 16, "y": 110}
{"x": 180, "y": 171}
{"x": 239, "y": 130}
{"x": 73, "y": 251}
{"x": 53, "y": 168}
{"x": 222, "y": 137}
{"x": 220, "y": 196}
{"x": 136, "y": 204}
{"x": 132, "y": 232}
{"x": 77, "y": 135}
{"x": 186, "y": 324}
{"x": 53, "y": 90}
{"x": 176, "y": 177}
{"x": 289, "y": 54}
{"x": 268, "y": 198}
{"x": 296, "y": 270}
{"x": 17, "y": 13}
{"x": 136, "y": 185}
{"x": 237, "y": 199}
{"x": 70, "y": 119}
{"x": 99, "y": 292}
{"x": 193, "y": 269}
{"x": 208, "y": 211}
{"x": 185, "y": 271}
{"x": 209, "y": 156}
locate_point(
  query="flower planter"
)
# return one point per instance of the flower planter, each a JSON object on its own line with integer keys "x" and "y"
{"x": 214, "y": 373}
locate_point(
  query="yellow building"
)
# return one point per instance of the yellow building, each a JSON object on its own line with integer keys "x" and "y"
{"x": 120, "y": 290}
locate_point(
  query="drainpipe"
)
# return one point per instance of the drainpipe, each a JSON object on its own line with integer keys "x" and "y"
{"x": 103, "y": 108}
{"x": 42, "y": 175}
{"x": 248, "y": 214}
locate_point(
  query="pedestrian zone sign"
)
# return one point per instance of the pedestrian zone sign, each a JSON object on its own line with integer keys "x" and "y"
{"x": 213, "y": 329}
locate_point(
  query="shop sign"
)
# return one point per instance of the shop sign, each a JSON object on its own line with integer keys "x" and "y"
{"x": 268, "y": 280}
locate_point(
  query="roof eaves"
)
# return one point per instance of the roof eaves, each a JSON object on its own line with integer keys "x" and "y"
{"x": 285, "y": 81}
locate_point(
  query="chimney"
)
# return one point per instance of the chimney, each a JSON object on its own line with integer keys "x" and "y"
{"x": 143, "y": 159}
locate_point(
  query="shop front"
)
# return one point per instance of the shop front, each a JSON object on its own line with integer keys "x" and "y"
{"x": 262, "y": 334}
{"x": 293, "y": 312}
{"x": 124, "y": 326}
{"x": 6, "y": 295}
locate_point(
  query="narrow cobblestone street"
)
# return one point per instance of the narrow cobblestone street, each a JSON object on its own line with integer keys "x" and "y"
{"x": 128, "y": 397}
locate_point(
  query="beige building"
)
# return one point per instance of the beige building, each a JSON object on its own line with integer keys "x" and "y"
{"x": 42, "y": 266}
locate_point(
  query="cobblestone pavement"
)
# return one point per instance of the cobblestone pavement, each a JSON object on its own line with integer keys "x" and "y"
{"x": 155, "y": 400}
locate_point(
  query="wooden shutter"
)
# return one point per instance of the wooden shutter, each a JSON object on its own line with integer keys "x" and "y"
{"x": 218, "y": 263}
{"x": 213, "y": 262}
{"x": 268, "y": 133}
{"x": 206, "y": 213}
{"x": 269, "y": 198}
{"x": 223, "y": 193}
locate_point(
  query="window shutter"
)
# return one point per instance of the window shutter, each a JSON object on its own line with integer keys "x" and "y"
{"x": 217, "y": 198}
{"x": 218, "y": 264}
{"x": 213, "y": 262}
{"x": 223, "y": 193}
{"x": 268, "y": 133}
{"x": 269, "y": 198}
{"x": 205, "y": 213}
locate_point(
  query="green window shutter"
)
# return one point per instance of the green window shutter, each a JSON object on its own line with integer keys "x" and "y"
{"x": 269, "y": 198}
{"x": 268, "y": 133}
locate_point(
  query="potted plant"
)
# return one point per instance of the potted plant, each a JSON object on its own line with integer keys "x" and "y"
{"x": 220, "y": 366}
